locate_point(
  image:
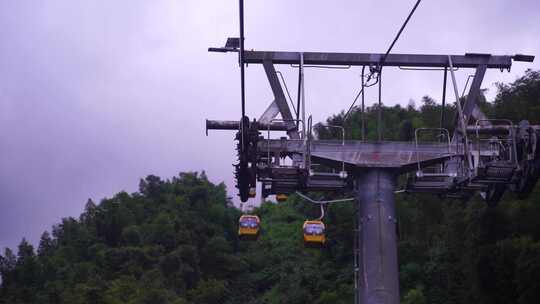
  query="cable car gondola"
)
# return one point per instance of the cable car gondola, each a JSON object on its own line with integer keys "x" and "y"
{"x": 281, "y": 197}
{"x": 314, "y": 233}
{"x": 248, "y": 226}
{"x": 314, "y": 230}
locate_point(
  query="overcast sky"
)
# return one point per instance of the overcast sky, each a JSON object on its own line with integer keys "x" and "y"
{"x": 97, "y": 94}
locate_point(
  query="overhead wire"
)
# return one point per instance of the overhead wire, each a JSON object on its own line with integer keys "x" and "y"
{"x": 372, "y": 70}
{"x": 377, "y": 70}
{"x": 381, "y": 63}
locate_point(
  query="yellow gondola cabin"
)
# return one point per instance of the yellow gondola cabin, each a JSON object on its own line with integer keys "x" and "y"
{"x": 249, "y": 226}
{"x": 314, "y": 233}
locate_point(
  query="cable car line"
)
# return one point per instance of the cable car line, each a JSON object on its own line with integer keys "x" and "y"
{"x": 398, "y": 34}
{"x": 380, "y": 67}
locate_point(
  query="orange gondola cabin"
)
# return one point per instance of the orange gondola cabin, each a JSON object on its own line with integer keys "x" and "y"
{"x": 249, "y": 226}
{"x": 314, "y": 233}
{"x": 281, "y": 197}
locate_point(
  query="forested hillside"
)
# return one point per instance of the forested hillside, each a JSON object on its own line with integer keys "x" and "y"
{"x": 175, "y": 241}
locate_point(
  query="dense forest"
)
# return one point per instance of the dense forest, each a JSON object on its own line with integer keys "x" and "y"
{"x": 175, "y": 241}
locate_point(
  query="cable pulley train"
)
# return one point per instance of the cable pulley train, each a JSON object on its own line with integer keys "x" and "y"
{"x": 482, "y": 155}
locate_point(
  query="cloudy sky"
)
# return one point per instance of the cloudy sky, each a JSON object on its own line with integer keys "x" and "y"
{"x": 97, "y": 94}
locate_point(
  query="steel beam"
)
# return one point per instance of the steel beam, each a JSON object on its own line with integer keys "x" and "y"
{"x": 235, "y": 125}
{"x": 470, "y": 104}
{"x": 474, "y": 92}
{"x": 361, "y": 59}
{"x": 280, "y": 100}
{"x": 378, "y": 274}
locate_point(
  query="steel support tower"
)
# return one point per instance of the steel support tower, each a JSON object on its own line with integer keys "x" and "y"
{"x": 378, "y": 264}
{"x": 482, "y": 156}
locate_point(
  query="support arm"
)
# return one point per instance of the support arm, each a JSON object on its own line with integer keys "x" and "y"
{"x": 279, "y": 99}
